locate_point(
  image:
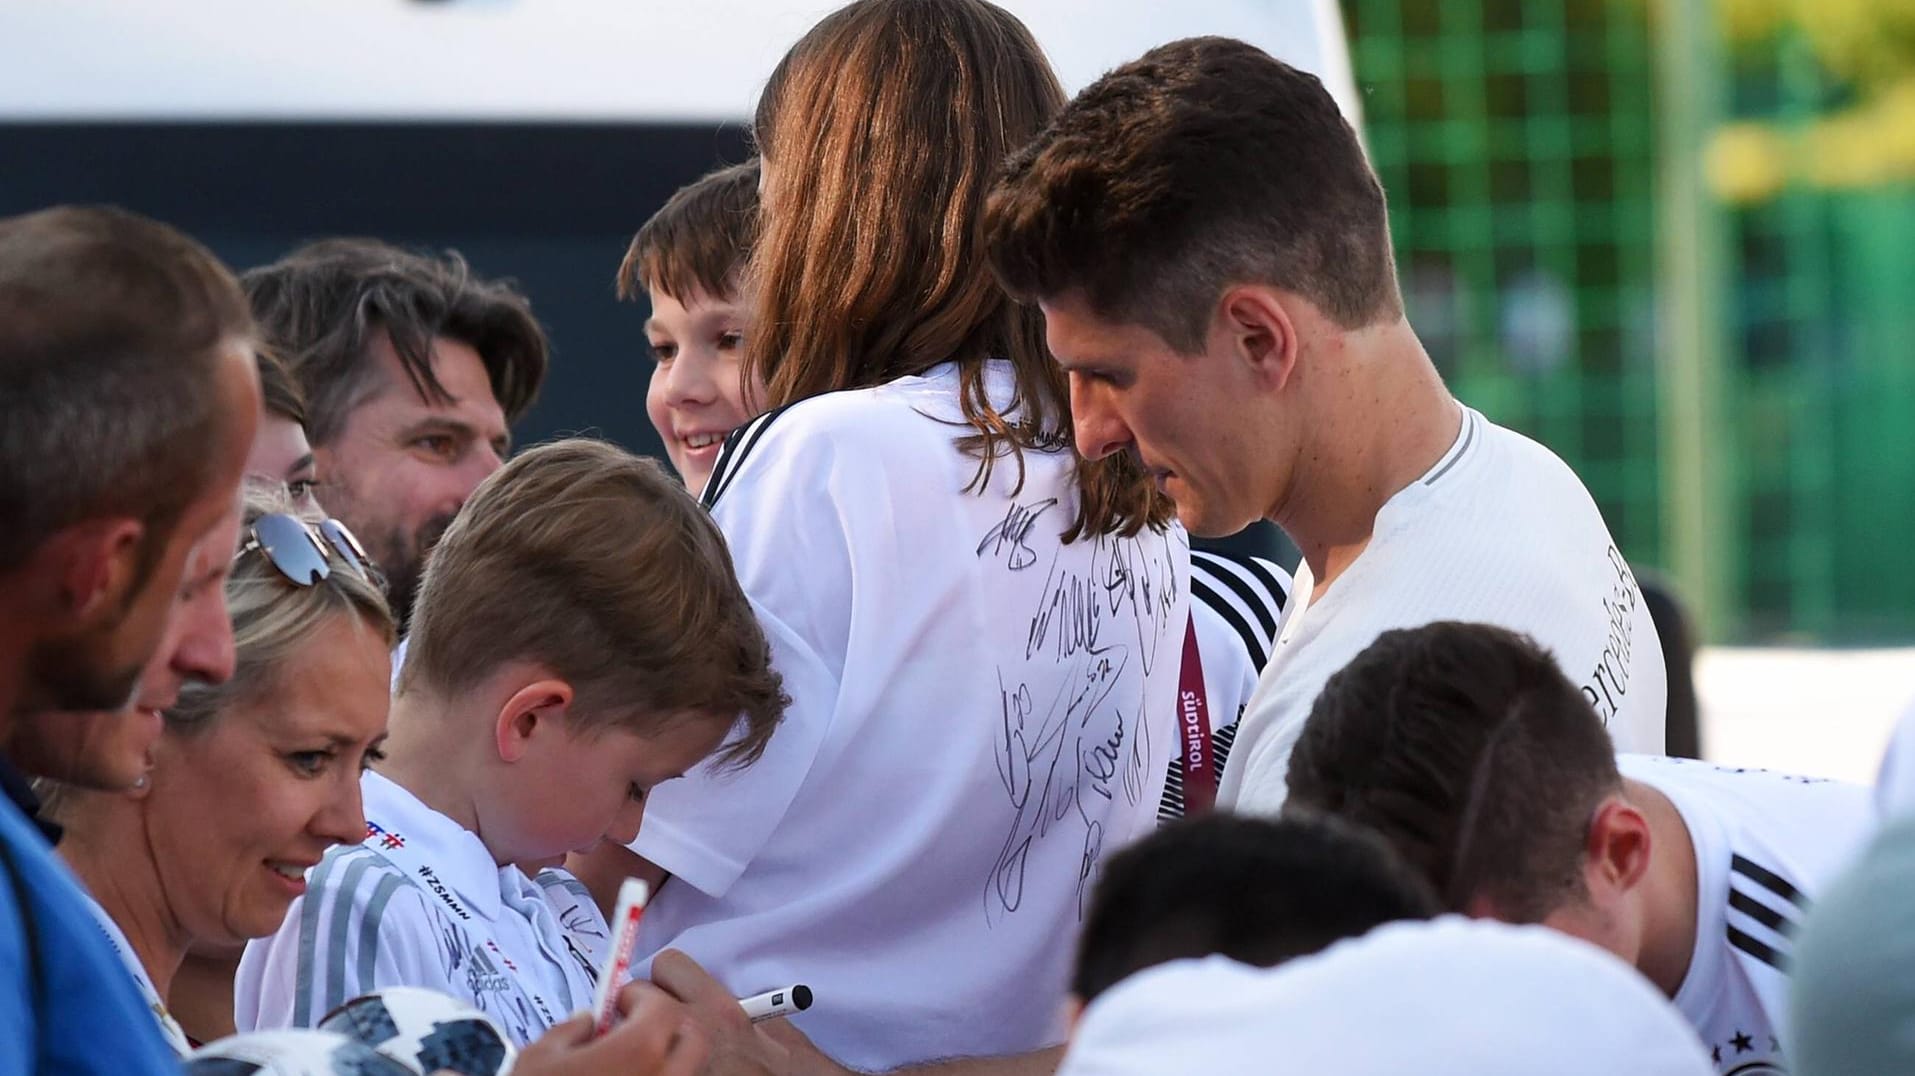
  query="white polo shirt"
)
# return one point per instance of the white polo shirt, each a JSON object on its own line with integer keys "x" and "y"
{"x": 1454, "y": 997}
{"x": 1498, "y": 531}
{"x": 421, "y": 903}
{"x": 1235, "y": 605}
{"x": 1766, "y": 843}
{"x": 980, "y": 713}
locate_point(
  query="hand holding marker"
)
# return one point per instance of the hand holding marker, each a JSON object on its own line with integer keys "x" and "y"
{"x": 772, "y": 1004}
{"x": 632, "y": 893}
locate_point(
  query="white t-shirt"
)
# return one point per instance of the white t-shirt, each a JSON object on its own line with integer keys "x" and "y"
{"x": 1895, "y": 785}
{"x": 421, "y": 903}
{"x": 1453, "y": 996}
{"x": 1766, "y": 843}
{"x": 1499, "y": 531}
{"x": 1235, "y": 604}
{"x": 979, "y": 715}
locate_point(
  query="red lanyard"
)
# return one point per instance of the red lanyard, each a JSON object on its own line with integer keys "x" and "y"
{"x": 1193, "y": 730}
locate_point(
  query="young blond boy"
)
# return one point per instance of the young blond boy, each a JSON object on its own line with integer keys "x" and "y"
{"x": 580, "y": 638}
{"x": 687, "y": 261}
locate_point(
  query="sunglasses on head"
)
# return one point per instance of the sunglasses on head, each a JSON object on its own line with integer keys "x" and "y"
{"x": 298, "y": 548}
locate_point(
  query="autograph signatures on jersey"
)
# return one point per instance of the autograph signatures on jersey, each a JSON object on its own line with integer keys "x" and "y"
{"x": 1074, "y": 742}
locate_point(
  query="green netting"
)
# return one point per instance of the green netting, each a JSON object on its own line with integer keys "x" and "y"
{"x": 1517, "y": 141}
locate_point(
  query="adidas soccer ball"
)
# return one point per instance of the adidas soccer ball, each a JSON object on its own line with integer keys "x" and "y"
{"x": 290, "y": 1052}
{"x": 426, "y": 1031}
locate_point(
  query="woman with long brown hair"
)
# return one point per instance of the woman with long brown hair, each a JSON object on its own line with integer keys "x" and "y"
{"x": 980, "y": 632}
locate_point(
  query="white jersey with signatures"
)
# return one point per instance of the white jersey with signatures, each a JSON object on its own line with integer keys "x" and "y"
{"x": 421, "y": 903}
{"x": 1498, "y": 531}
{"x": 1765, "y": 845}
{"x": 980, "y": 713}
{"x": 1235, "y": 604}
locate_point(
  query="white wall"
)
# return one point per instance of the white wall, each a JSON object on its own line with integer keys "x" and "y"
{"x": 701, "y": 60}
{"x": 1827, "y": 713}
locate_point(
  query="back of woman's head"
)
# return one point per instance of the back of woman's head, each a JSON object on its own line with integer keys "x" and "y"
{"x": 882, "y": 131}
{"x": 275, "y": 620}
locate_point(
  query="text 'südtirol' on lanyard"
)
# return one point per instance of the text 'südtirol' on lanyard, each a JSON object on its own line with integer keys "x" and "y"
{"x": 1193, "y": 730}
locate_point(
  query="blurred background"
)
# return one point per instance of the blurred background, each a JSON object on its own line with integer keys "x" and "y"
{"x": 1674, "y": 240}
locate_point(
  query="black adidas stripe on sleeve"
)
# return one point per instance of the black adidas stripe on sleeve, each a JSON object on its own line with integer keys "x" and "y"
{"x": 1216, "y": 578}
{"x": 738, "y": 445}
{"x": 1749, "y": 919}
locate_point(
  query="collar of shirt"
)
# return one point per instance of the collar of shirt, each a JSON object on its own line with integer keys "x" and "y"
{"x": 15, "y": 786}
{"x": 448, "y": 859}
{"x": 169, "y": 1027}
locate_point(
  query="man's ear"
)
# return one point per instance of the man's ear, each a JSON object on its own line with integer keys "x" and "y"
{"x": 1254, "y": 323}
{"x": 1616, "y": 850}
{"x": 536, "y": 709}
{"x": 94, "y": 566}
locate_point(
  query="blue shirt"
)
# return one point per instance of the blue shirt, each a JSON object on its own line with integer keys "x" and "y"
{"x": 66, "y": 1004}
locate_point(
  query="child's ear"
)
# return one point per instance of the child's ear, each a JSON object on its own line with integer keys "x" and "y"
{"x": 538, "y": 708}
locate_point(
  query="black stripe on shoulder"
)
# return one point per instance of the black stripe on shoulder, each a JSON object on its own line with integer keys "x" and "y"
{"x": 1260, "y": 592}
{"x": 1221, "y": 742}
{"x": 1768, "y": 880}
{"x": 738, "y": 445}
{"x": 1266, "y": 573}
{"x": 1760, "y": 912}
{"x": 1171, "y": 807}
{"x": 1758, "y": 950}
{"x": 1253, "y": 645}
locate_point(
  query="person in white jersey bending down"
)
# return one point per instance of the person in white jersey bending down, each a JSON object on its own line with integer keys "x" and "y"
{"x": 1485, "y": 767}
{"x": 980, "y": 634}
{"x": 1212, "y": 255}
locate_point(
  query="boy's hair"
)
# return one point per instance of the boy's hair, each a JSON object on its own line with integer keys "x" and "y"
{"x": 598, "y": 565}
{"x": 699, "y": 242}
{"x": 1203, "y": 164}
{"x": 1467, "y": 748}
{"x": 321, "y": 306}
{"x": 1258, "y": 891}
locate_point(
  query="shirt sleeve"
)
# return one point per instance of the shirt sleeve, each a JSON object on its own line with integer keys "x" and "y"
{"x": 16, "y": 997}
{"x": 786, "y": 512}
{"x": 354, "y": 932}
